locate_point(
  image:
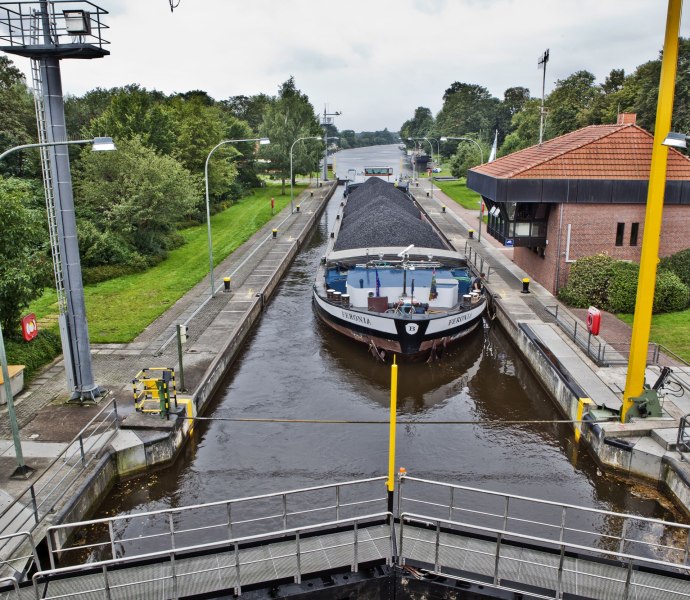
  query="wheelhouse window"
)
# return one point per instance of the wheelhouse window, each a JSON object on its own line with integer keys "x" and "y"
{"x": 620, "y": 233}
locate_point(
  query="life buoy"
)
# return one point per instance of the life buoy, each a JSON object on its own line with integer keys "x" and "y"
{"x": 593, "y": 320}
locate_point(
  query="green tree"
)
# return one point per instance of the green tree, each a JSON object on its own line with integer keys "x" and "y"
{"x": 24, "y": 260}
{"x": 288, "y": 117}
{"x": 134, "y": 111}
{"x": 420, "y": 125}
{"x": 467, "y": 156}
{"x": 80, "y": 111}
{"x": 17, "y": 122}
{"x": 135, "y": 195}
{"x": 525, "y": 128}
{"x": 248, "y": 108}
{"x": 468, "y": 109}
{"x": 570, "y": 104}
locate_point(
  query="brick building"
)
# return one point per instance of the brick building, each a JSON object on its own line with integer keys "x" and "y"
{"x": 581, "y": 194}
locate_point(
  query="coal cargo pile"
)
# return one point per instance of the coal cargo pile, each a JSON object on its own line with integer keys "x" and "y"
{"x": 360, "y": 197}
{"x": 378, "y": 215}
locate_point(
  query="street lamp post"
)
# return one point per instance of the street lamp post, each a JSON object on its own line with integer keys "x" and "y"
{"x": 22, "y": 470}
{"x": 310, "y": 137}
{"x": 414, "y": 158}
{"x": 208, "y": 208}
{"x": 431, "y": 179}
{"x": 481, "y": 158}
{"x": 431, "y": 147}
{"x": 438, "y": 151}
{"x": 327, "y": 120}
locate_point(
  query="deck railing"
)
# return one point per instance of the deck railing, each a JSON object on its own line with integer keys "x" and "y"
{"x": 167, "y": 529}
{"x": 41, "y": 498}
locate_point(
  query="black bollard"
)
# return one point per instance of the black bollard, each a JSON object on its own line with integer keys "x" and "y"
{"x": 226, "y": 284}
{"x": 525, "y": 286}
{"x": 275, "y": 233}
{"x": 471, "y": 233}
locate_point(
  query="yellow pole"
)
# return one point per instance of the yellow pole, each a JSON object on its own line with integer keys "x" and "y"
{"x": 580, "y": 411}
{"x": 634, "y": 383}
{"x": 390, "y": 484}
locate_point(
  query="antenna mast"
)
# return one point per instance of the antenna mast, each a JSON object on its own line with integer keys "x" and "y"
{"x": 541, "y": 64}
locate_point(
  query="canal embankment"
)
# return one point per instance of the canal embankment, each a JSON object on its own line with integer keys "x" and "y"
{"x": 588, "y": 394}
{"x": 65, "y": 486}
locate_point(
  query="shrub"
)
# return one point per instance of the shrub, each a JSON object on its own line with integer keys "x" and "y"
{"x": 679, "y": 263}
{"x": 36, "y": 353}
{"x": 612, "y": 285}
{"x": 670, "y": 293}
{"x": 105, "y": 272}
{"x": 622, "y": 290}
{"x": 588, "y": 281}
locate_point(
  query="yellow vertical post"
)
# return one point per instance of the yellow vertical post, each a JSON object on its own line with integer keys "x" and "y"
{"x": 390, "y": 484}
{"x": 580, "y": 410}
{"x": 637, "y": 362}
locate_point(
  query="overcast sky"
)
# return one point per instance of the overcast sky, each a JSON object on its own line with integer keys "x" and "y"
{"x": 373, "y": 60}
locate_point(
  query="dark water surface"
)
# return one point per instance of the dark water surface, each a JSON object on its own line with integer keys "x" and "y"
{"x": 293, "y": 367}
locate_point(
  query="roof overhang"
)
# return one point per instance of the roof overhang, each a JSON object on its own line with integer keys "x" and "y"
{"x": 569, "y": 191}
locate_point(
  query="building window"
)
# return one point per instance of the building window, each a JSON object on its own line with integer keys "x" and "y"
{"x": 634, "y": 230}
{"x": 620, "y": 232}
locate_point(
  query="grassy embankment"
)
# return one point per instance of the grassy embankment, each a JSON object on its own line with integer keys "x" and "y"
{"x": 457, "y": 190}
{"x": 119, "y": 309}
{"x": 671, "y": 330}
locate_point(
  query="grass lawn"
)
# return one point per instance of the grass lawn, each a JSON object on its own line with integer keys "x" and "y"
{"x": 459, "y": 192}
{"x": 671, "y": 330}
{"x": 119, "y": 309}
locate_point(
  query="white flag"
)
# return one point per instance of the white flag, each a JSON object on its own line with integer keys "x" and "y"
{"x": 494, "y": 148}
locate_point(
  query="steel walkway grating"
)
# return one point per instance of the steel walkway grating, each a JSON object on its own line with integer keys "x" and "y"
{"x": 529, "y": 567}
{"x": 216, "y": 572}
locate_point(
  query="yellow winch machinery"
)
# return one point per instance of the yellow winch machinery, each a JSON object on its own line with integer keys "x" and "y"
{"x": 153, "y": 389}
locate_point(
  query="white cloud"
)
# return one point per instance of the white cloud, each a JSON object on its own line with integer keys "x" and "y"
{"x": 375, "y": 61}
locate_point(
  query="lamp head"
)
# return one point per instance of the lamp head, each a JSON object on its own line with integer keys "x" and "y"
{"x": 103, "y": 144}
{"x": 264, "y": 141}
{"x": 444, "y": 139}
{"x": 676, "y": 140}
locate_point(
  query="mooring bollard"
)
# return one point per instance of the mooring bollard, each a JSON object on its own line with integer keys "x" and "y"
{"x": 297, "y": 208}
{"x": 443, "y": 208}
{"x": 525, "y": 285}
{"x": 471, "y": 233}
{"x": 226, "y": 284}
{"x": 275, "y": 233}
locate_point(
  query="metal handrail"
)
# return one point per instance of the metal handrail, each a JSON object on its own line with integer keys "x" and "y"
{"x": 563, "y": 508}
{"x": 234, "y": 543}
{"x": 169, "y": 514}
{"x": 15, "y": 585}
{"x": 28, "y": 539}
{"x": 38, "y": 497}
{"x": 15, "y": 14}
{"x": 629, "y": 559}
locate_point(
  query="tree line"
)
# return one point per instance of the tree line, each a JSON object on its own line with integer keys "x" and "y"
{"x": 469, "y": 110}
{"x": 132, "y": 204}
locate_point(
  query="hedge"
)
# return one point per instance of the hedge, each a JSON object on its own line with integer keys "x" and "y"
{"x": 611, "y": 285}
{"x": 34, "y": 354}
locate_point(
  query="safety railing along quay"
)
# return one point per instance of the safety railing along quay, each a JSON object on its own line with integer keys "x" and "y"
{"x": 50, "y": 487}
{"x": 609, "y": 354}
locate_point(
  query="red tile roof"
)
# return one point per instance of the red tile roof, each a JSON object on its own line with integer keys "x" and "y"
{"x": 594, "y": 152}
